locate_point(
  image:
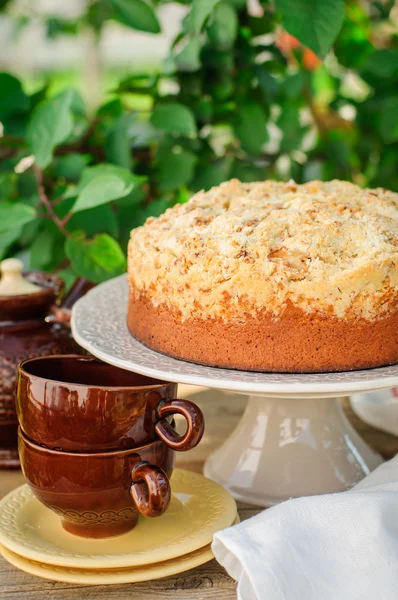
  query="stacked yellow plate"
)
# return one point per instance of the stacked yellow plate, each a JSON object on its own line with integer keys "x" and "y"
{"x": 32, "y": 538}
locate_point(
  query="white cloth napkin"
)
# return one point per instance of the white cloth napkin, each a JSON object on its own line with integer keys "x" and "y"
{"x": 334, "y": 547}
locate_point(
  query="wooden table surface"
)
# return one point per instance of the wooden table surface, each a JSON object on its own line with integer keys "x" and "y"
{"x": 208, "y": 582}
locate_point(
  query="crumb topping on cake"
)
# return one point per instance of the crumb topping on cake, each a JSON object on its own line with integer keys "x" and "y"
{"x": 240, "y": 248}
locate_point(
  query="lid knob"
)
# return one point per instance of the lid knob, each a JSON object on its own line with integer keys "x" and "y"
{"x": 12, "y": 282}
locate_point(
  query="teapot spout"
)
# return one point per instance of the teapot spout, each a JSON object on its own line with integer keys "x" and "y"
{"x": 62, "y": 314}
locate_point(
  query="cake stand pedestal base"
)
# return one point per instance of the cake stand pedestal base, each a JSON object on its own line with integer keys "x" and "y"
{"x": 289, "y": 447}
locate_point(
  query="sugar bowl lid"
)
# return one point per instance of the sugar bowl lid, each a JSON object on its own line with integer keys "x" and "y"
{"x": 12, "y": 282}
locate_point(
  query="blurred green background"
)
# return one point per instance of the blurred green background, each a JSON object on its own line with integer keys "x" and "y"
{"x": 114, "y": 110}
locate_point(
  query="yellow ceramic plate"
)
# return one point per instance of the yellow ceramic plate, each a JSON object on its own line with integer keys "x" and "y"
{"x": 111, "y": 576}
{"x": 199, "y": 507}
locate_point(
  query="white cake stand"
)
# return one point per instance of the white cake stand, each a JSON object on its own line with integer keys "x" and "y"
{"x": 293, "y": 439}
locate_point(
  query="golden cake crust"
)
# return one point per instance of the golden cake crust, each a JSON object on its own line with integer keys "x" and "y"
{"x": 270, "y": 276}
{"x": 242, "y": 248}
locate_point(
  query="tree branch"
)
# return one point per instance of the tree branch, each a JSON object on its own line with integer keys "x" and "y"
{"x": 46, "y": 202}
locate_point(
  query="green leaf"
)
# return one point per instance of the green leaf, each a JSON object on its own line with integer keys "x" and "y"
{"x": 337, "y": 151}
{"x": 50, "y": 124}
{"x": 14, "y": 215}
{"x": 117, "y": 147}
{"x": 7, "y": 238}
{"x": 224, "y": 88}
{"x": 135, "y": 197}
{"x": 261, "y": 25}
{"x": 220, "y": 60}
{"x": 102, "y": 184}
{"x": 324, "y": 86}
{"x": 251, "y": 127}
{"x": 100, "y": 190}
{"x": 113, "y": 108}
{"x": 12, "y": 97}
{"x": 204, "y": 109}
{"x": 175, "y": 167}
{"x": 293, "y": 84}
{"x": 127, "y": 209}
{"x": 98, "y": 13}
{"x": 292, "y": 131}
{"x": 382, "y": 63}
{"x": 41, "y": 251}
{"x": 223, "y": 28}
{"x": 26, "y": 185}
{"x": 315, "y": 23}
{"x": 238, "y": 4}
{"x": 200, "y": 11}
{"x": 96, "y": 259}
{"x": 38, "y": 97}
{"x": 353, "y": 45}
{"x": 248, "y": 171}
{"x": 157, "y": 207}
{"x": 212, "y": 174}
{"x": 30, "y": 231}
{"x": 101, "y": 219}
{"x": 144, "y": 134}
{"x": 174, "y": 118}
{"x": 139, "y": 83}
{"x": 267, "y": 82}
{"x": 68, "y": 276}
{"x": 153, "y": 209}
{"x": 129, "y": 178}
{"x": 77, "y": 105}
{"x": 389, "y": 120}
{"x": 188, "y": 58}
{"x": 136, "y": 14}
{"x": 56, "y": 27}
{"x": 8, "y": 183}
{"x": 70, "y": 166}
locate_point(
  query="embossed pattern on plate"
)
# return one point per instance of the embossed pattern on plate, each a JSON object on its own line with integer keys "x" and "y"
{"x": 199, "y": 507}
{"x": 99, "y": 325}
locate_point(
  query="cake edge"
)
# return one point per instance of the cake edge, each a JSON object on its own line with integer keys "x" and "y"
{"x": 299, "y": 342}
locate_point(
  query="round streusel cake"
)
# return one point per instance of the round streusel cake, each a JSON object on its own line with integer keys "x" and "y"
{"x": 270, "y": 276}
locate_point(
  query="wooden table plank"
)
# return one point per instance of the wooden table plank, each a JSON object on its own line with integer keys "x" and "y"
{"x": 208, "y": 582}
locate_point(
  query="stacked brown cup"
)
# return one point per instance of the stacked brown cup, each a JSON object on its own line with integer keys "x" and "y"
{"x": 97, "y": 443}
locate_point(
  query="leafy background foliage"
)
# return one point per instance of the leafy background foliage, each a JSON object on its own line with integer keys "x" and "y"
{"x": 291, "y": 89}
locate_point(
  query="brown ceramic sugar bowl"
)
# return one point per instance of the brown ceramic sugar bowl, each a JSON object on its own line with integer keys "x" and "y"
{"x": 26, "y": 331}
{"x": 99, "y": 495}
{"x": 81, "y": 404}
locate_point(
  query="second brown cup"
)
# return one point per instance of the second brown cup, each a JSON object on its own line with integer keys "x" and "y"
{"x": 81, "y": 404}
{"x": 99, "y": 494}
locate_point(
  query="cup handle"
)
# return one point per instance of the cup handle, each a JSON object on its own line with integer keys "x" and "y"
{"x": 195, "y": 424}
{"x": 150, "y": 489}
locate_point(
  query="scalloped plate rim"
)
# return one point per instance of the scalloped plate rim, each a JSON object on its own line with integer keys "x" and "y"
{"x": 112, "y": 576}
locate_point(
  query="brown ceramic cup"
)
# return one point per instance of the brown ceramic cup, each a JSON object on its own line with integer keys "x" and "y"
{"x": 81, "y": 404}
{"x": 99, "y": 495}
